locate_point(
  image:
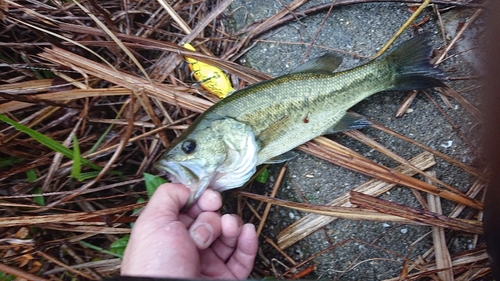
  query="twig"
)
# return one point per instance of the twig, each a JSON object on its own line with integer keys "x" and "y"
{"x": 458, "y": 35}
{"x": 371, "y": 169}
{"x": 20, "y": 273}
{"x": 406, "y": 103}
{"x": 206, "y": 20}
{"x": 416, "y": 215}
{"x": 167, "y": 64}
{"x": 277, "y": 248}
{"x": 63, "y": 218}
{"x": 273, "y": 194}
{"x": 182, "y": 24}
{"x": 403, "y": 27}
{"x": 443, "y": 259}
{"x": 357, "y": 135}
{"x": 455, "y": 127}
{"x": 311, "y": 222}
{"x": 448, "y": 91}
{"x": 350, "y": 213}
{"x": 318, "y": 32}
{"x": 69, "y": 268}
{"x": 265, "y": 26}
{"x": 255, "y": 31}
{"x": 439, "y": 154}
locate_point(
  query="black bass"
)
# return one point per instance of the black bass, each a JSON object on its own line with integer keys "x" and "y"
{"x": 261, "y": 123}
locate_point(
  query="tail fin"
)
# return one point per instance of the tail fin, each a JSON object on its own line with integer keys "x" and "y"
{"x": 411, "y": 65}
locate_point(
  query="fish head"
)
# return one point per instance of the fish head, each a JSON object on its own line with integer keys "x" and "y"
{"x": 219, "y": 154}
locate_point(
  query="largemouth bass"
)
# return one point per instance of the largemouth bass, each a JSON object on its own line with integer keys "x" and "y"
{"x": 261, "y": 123}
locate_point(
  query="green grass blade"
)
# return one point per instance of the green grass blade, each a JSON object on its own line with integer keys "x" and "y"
{"x": 48, "y": 142}
{"x": 96, "y": 248}
{"x": 32, "y": 177}
{"x": 7, "y": 277}
{"x": 35, "y": 71}
{"x": 101, "y": 139}
{"x": 9, "y": 161}
{"x": 39, "y": 200}
{"x": 77, "y": 165}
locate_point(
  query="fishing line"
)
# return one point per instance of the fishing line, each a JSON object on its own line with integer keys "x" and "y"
{"x": 21, "y": 66}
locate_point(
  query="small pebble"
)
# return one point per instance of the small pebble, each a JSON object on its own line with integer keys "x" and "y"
{"x": 447, "y": 144}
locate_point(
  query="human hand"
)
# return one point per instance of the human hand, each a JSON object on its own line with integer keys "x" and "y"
{"x": 198, "y": 244}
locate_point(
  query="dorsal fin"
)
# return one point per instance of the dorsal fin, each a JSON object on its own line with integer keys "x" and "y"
{"x": 328, "y": 62}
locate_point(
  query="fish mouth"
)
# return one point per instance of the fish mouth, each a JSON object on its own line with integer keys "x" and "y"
{"x": 189, "y": 174}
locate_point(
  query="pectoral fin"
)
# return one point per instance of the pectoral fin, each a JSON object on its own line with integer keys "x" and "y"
{"x": 271, "y": 132}
{"x": 350, "y": 121}
{"x": 328, "y": 62}
{"x": 282, "y": 158}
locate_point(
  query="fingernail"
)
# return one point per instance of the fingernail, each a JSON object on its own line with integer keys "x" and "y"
{"x": 250, "y": 225}
{"x": 202, "y": 234}
{"x": 234, "y": 219}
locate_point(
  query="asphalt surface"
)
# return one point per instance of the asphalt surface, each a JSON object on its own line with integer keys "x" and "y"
{"x": 368, "y": 250}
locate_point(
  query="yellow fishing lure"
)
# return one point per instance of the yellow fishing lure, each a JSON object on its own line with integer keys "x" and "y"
{"x": 212, "y": 78}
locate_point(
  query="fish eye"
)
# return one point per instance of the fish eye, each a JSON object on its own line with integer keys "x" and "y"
{"x": 188, "y": 146}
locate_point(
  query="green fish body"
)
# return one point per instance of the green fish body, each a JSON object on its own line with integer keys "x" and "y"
{"x": 262, "y": 122}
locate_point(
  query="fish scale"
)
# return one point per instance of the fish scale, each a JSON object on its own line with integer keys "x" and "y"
{"x": 322, "y": 98}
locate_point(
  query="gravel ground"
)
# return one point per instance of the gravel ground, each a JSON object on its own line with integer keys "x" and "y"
{"x": 367, "y": 250}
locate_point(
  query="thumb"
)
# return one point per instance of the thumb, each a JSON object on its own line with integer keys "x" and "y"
{"x": 166, "y": 202}
{"x": 157, "y": 232}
